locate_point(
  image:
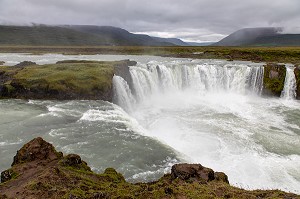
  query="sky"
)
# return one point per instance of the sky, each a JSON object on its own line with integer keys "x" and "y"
{"x": 189, "y": 20}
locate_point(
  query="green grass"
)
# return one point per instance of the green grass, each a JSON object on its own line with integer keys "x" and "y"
{"x": 82, "y": 79}
{"x": 257, "y": 54}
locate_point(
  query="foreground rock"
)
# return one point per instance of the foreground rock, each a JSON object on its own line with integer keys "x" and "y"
{"x": 39, "y": 171}
{"x": 66, "y": 80}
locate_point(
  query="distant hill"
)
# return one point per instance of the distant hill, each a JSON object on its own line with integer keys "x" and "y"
{"x": 120, "y": 37}
{"x": 41, "y": 35}
{"x": 260, "y": 37}
{"x": 175, "y": 41}
{"x": 200, "y": 43}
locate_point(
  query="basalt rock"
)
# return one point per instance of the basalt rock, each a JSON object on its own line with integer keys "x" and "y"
{"x": 74, "y": 160}
{"x": 36, "y": 149}
{"x": 122, "y": 70}
{"x": 297, "y": 74}
{"x": 274, "y": 77}
{"x": 196, "y": 172}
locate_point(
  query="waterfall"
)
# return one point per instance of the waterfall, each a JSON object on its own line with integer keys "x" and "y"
{"x": 162, "y": 77}
{"x": 289, "y": 90}
{"x": 122, "y": 93}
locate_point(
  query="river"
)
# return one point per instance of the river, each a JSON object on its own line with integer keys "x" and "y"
{"x": 175, "y": 110}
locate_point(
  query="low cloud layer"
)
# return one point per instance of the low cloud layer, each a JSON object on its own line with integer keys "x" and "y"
{"x": 193, "y": 20}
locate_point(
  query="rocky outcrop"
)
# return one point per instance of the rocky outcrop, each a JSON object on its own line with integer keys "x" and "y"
{"x": 36, "y": 149}
{"x": 39, "y": 171}
{"x": 122, "y": 70}
{"x": 66, "y": 80}
{"x": 297, "y": 74}
{"x": 274, "y": 77}
{"x": 2, "y": 62}
{"x": 196, "y": 173}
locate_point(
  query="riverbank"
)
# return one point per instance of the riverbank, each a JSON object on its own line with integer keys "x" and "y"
{"x": 65, "y": 80}
{"x": 38, "y": 170}
{"x": 255, "y": 54}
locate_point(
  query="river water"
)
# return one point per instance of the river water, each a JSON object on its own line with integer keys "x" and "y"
{"x": 177, "y": 110}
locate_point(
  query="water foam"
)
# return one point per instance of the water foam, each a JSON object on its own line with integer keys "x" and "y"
{"x": 290, "y": 85}
{"x": 212, "y": 113}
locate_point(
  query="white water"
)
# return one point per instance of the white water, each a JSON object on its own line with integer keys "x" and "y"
{"x": 289, "y": 90}
{"x": 212, "y": 113}
{"x": 154, "y": 78}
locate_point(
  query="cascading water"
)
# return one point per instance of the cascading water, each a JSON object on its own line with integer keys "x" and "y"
{"x": 122, "y": 93}
{"x": 211, "y": 112}
{"x": 161, "y": 77}
{"x": 289, "y": 90}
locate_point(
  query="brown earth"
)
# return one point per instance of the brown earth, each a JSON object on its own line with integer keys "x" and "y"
{"x": 39, "y": 171}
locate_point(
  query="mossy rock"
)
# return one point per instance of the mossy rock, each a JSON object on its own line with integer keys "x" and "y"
{"x": 297, "y": 74}
{"x": 114, "y": 175}
{"x": 274, "y": 77}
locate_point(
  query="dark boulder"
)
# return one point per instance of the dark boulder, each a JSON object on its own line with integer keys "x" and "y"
{"x": 36, "y": 149}
{"x": 74, "y": 160}
{"x": 2, "y": 62}
{"x": 220, "y": 176}
{"x": 6, "y": 175}
{"x": 196, "y": 173}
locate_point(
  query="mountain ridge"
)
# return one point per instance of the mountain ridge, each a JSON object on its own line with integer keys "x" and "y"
{"x": 79, "y": 35}
{"x": 264, "y": 36}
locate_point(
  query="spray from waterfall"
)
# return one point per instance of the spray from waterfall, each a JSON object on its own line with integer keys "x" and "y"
{"x": 163, "y": 77}
{"x": 289, "y": 90}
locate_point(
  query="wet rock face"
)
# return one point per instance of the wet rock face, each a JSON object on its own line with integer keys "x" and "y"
{"x": 36, "y": 149}
{"x": 196, "y": 172}
{"x": 297, "y": 74}
{"x": 274, "y": 77}
{"x": 122, "y": 70}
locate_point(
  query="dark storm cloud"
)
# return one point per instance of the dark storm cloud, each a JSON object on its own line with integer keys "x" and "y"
{"x": 202, "y": 20}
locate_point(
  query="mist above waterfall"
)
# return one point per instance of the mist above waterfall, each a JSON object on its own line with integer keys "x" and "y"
{"x": 212, "y": 112}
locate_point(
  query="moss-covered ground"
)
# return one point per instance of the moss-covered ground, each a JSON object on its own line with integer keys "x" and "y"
{"x": 65, "y": 80}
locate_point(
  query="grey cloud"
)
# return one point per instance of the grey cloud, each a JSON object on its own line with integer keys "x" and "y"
{"x": 205, "y": 20}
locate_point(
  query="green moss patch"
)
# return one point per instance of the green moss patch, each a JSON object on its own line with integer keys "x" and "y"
{"x": 64, "y": 80}
{"x": 274, "y": 77}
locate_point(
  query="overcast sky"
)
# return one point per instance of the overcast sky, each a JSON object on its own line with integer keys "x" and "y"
{"x": 190, "y": 20}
